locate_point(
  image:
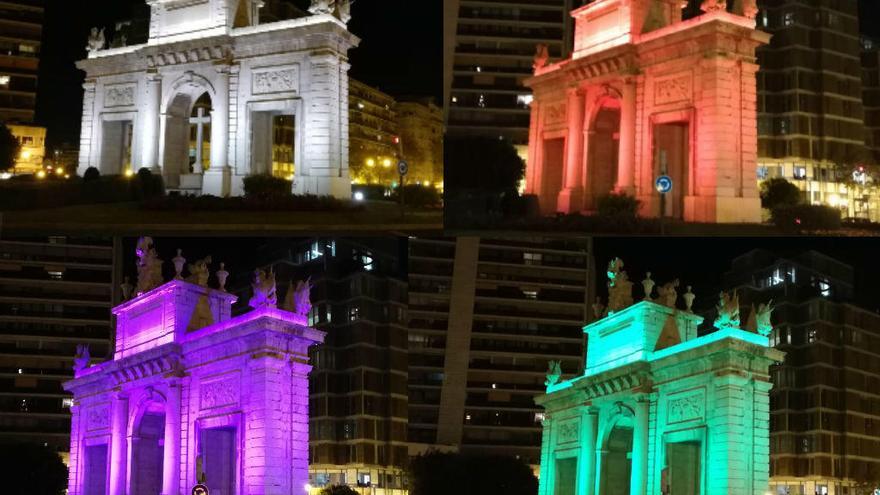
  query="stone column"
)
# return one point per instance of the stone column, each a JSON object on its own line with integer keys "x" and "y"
{"x": 87, "y": 143}
{"x": 587, "y": 475}
{"x": 626, "y": 159}
{"x": 152, "y": 108}
{"x": 171, "y": 459}
{"x": 571, "y": 197}
{"x": 639, "y": 477}
{"x": 119, "y": 430}
{"x": 217, "y": 178}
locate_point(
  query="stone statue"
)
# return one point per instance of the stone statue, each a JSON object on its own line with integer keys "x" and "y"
{"x": 688, "y": 297}
{"x": 542, "y": 56}
{"x": 127, "y": 288}
{"x": 554, "y": 373}
{"x": 668, "y": 294}
{"x": 302, "y": 297}
{"x": 82, "y": 357}
{"x": 648, "y": 286}
{"x": 264, "y": 290}
{"x": 178, "y": 261}
{"x": 713, "y": 5}
{"x": 762, "y": 317}
{"x": 149, "y": 266}
{"x": 728, "y": 311}
{"x": 598, "y": 308}
{"x": 96, "y": 40}
{"x": 322, "y": 6}
{"x": 619, "y": 287}
{"x": 749, "y": 8}
{"x": 344, "y": 9}
{"x": 199, "y": 272}
{"x": 222, "y": 275}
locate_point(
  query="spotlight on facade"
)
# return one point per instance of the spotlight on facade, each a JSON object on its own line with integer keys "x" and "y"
{"x": 307, "y": 487}
{"x": 129, "y": 173}
{"x": 358, "y": 196}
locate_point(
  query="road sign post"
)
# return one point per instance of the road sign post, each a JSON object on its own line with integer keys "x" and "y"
{"x": 663, "y": 185}
{"x": 402, "y": 169}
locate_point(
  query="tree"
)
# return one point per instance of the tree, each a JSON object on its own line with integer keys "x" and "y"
{"x": 9, "y": 148}
{"x": 338, "y": 490}
{"x": 437, "y": 473}
{"x": 486, "y": 164}
{"x": 34, "y": 470}
{"x": 778, "y": 192}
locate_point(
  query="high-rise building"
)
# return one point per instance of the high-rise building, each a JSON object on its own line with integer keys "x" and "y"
{"x": 811, "y": 119}
{"x": 871, "y": 96}
{"x": 491, "y": 53}
{"x": 55, "y": 293}
{"x": 373, "y": 134}
{"x": 486, "y": 316}
{"x": 824, "y": 413}
{"x": 421, "y": 134}
{"x": 21, "y": 25}
{"x": 358, "y": 387}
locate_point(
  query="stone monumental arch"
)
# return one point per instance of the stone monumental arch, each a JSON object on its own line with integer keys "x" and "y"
{"x": 646, "y": 94}
{"x": 193, "y": 394}
{"x": 212, "y": 62}
{"x": 658, "y": 409}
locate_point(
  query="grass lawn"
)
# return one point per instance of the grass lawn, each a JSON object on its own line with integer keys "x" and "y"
{"x": 130, "y": 219}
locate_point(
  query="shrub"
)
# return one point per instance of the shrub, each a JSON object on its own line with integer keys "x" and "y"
{"x": 618, "y": 206}
{"x": 806, "y": 218}
{"x": 266, "y": 186}
{"x": 418, "y": 196}
{"x": 277, "y": 203}
{"x": 145, "y": 185}
{"x": 778, "y": 192}
{"x": 91, "y": 174}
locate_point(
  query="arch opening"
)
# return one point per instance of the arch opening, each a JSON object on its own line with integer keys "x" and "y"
{"x": 603, "y": 148}
{"x": 617, "y": 462}
{"x": 187, "y": 138}
{"x": 148, "y": 451}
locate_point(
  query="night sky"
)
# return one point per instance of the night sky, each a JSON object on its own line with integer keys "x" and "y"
{"x": 701, "y": 262}
{"x": 400, "y": 52}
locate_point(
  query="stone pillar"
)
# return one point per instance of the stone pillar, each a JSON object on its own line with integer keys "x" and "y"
{"x": 587, "y": 475}
{"x": 118, "y": 432}
{"x": 639, "y": 477}
{"x": 150, "y": 143}
{"x": 171, "y": 451}
{"x": 217, "y": 179}
{"x": 87, "y": 144}
{"x": 75, "y": 471}
{"x": 626, "y": 161}
{"x": 533, "y": 164}
{"x": 571, "y": 197}
{"x": 544, "y": 485}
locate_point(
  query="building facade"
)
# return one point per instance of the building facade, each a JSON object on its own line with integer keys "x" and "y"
{"x": 374, "y": 135}
{"x": 358, "y": 392}
{"x": 421, "y": 134}
{"x": 141, "y": 100}
{"x": 824, "y": 419}
{"x": 55, "y": 293}
{"x": 489, "y": 55}
{"x": 21, "y": 22}
{"x": 871, "y": 96}
{"x": 32, "y": 140}
{"x": 485, "y": 318}
{"x": 811, "y": 116}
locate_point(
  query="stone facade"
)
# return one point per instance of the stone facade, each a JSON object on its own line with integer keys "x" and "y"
{"x": 139, "y": 99}
{"x": 660, "y": 410}
{"x": 646, "y": 94}
{"x": 191, "y": 392}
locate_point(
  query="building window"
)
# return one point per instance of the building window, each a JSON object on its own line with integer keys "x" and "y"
{"x": 764, "y": 19}
{"x": 783, "y": 126}
{"x": 530, "y": 294}
{"x": 762, "y": 172}
{"x": 539, "y": 417}
{"x": 67, "y": 402}
{"x": 4, "y": 81}
{"x": 354, "y": 313}
{"x": 524, "y": 100}
{"x": 532, "y": 258}
{"x": 800, "y": 172}
{"x": 811, "y": 336}
{"x": 788, "y": 18}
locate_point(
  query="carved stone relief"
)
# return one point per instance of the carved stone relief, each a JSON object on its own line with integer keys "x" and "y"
{"x": 569, "y": 431}
{"x": 685, "y": 408}
{"x": 218, "y": 393}
{"x": 119, "y": 95}
{"x": 672, "y": 89}
{"x": 98, "y": 417}
{"x": 276, "y": 80}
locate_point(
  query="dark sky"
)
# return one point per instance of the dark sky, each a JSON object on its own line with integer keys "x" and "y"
{"x": 701, "y": 262}
{"x": 400, "y": 52}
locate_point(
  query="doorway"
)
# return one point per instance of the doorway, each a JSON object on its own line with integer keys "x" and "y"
{"x": 603, "y": 148}
{"x": 273, "y": 143}
{"x": 218, "y": 457}
{"x": 683, "y": 461}
{"x": 671, "y": 157}
{"x": 147, "y": 454}
{"x": 116, "y": 146}
{"x": 95, "y": 482}
{"x": 566, "y": 476}
{"x": 551, "y": 177}
{"x": 617, "y": 463}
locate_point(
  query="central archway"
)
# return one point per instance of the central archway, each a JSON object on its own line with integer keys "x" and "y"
{"x": 186, "y": 132}
{"x": 147, "y": 450}
{"x": 617, "y": 458}
{"x": 603, "y": 147}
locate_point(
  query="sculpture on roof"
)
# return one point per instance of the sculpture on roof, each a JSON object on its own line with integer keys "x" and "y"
{"x": 713, "y": 5}
{"x": 199, "y": 272}
{"x": 619, "y": 287}
{"x": 322, "y": 6}
{"x": 344, "y": 9}
{"x": 96, "y": 40}
{"x": 648, "y": 286}
{"x": 554, "y": 373}
{"x": 759, "y": 319}
{"x": 668, "y": 294}
{"x": 749, "y": 8}
{"x": 728, "y": 311}
{"x": 82, "y": 357}
{"x": 542, "y": 56}
{"x": 264, "y": 290}
{"x": 302, "y": 297}
{"x": 149, "y": 266}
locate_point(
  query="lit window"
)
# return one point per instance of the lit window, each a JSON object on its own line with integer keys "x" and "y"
{"x": 800, "y": 172}
{"x": 764, "y": 19}
{"x": 532, "y": 258}
{"x": 479, "y": 69}
{"x": 824, "y": 288}
{"x": 788, "y": 18}
{"x": 811, "y": 336}
{"x": 4, "y": 81}
{"x": 454, "y": 99}
{"x": 55, "y": 275}
{"x": 494, "y": 386}
{"x": 530, "y": 294}
{"x": 524, "y": 100}
{"x": 539, "y": 417}
{"x": 481, "y": 102}
{"x": 467, "y": 417}
{"x": 67, "y": 402}
{"x": 762, "y": 172}
{"x": 783, "y": 126}
{"x": 354, "y": 313}
{"x": 27, "y": 49}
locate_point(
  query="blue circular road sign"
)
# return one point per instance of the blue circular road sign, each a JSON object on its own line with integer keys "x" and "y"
{"x": 664, "y": 184}
{"x": 402, "y": 167}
